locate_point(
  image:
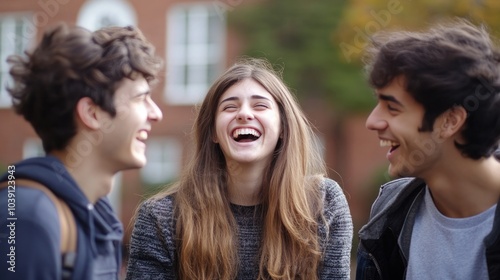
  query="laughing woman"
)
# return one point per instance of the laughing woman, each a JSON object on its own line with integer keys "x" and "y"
{"x": 254, "y": 202}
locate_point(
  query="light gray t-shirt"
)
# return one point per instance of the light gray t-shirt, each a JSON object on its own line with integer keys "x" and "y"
{"x": 448, "y": 248}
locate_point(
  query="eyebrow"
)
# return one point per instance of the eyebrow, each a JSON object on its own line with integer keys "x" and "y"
{"x": 146, "y": 92}
{"x": 389, "y": 98}
{"x": 232, "y": 98}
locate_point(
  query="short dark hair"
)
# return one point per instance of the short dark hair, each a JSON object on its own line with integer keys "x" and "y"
{"x": 71, "y": 63}
{"x": 452, "y": 64}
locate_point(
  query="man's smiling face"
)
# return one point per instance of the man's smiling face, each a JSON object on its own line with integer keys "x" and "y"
{"x": 397, "y": 118}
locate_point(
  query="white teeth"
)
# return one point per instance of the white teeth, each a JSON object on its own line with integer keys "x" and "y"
{"x": 143, "y": 135}
{"x": 246, "y": 131}
{"x": 387, "y": 143}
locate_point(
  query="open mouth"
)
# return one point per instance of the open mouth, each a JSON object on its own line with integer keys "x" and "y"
{"x": 389, "y": 143}
{"x": 142, "y": 136}
{"x": 246, "y": 135}
{"x": 393, "y": 148}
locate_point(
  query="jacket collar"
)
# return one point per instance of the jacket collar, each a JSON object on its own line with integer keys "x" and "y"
{"x": 394, "y": 196}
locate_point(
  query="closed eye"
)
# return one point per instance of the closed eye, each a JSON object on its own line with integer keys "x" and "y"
{"x": 391, "y": 108}
{"x": 228, "y": 107}
{"x": 141, "y": 97}
{"x": 392, "y": 103}
{"x": 261, "y": 105}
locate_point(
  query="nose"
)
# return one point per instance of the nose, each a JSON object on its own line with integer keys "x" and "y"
{"x": 244, "y": 113}
{"x": 154, "y": 112}
{"x": 375, "y": 120}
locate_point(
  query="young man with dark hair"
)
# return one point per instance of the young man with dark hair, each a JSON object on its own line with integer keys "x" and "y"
{"x": 87, "y": 96}
{"x": 438, "y": 111}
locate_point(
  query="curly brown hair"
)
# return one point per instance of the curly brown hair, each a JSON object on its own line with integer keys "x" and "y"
{"x": 70, "y": 63}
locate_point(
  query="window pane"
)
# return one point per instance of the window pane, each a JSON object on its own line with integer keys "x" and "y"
{"x": 33, "y": 148}
{"x": 214, "y": 28}
{"x": 197, "y": 25}
{"x": 13, "y": 40}
{"x": 198, "y": 74}
{"x": 200, "y": 55}
{"x": 164, "y": 157}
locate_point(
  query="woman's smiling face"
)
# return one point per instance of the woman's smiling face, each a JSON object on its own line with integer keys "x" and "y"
{"x": 247, "y": 123}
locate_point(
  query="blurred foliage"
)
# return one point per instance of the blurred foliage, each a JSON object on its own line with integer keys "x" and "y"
{"x": 362, "y": 18}
{"x": 298, "y": 35}
{"x": 3, "y": 168}
{"x": 320, "y": 42}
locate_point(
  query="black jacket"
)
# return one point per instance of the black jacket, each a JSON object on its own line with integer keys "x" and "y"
{"x": 385, "y": 240}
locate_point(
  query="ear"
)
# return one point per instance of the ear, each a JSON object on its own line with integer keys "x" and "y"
{"x": 87, "y": 113}
{"x": 453, "y": 121}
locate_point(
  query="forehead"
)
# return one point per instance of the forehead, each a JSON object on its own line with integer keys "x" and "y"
{"x": 244, "y": 89}
{"x": 128, "y": 88}
{"x": 395, "y": 92}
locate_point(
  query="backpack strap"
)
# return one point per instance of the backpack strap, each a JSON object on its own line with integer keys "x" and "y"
{"x": 66, "y": 221}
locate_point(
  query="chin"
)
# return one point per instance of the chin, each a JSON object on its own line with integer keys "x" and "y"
{"x": 136, "y": 161}
{"x": 400, "y": 173}
{"x": 394, "y": 173}
{"x": 139, "y": 163}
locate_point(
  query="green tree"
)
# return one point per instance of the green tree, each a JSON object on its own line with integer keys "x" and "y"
{"x": 320, "y": 42}
{"x": 362, "y": 18}
{"x": 299, "y": 35}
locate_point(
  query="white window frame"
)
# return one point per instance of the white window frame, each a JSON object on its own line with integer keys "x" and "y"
{"x": 164, "y": 159}
{"x": 196, "y": 39}
{"x": 96, "y": 14}
{"x": 32, "y": 147}
{"x": 15, "y": 38}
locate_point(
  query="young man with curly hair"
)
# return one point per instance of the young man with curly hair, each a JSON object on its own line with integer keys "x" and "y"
{"x": 87, "y": 96}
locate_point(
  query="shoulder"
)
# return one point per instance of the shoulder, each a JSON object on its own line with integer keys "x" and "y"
{"x": 334, "y": 201}
{"x": 330, "y": 187}
{"x": 31, "y": 208}
{"x": 29, "y": 204}
{"x": 35, "y": 230}
{"x": 162, "y": 205}
{"x": 393, "y": 191}
{"x": 153, "y": 237}
{"x": 335, "y": 226}
{"x": 156, "y": 210}
{"x": 332, "y": 192}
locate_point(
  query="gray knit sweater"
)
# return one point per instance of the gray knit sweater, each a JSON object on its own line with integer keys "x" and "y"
{"x": 152, "y": 248}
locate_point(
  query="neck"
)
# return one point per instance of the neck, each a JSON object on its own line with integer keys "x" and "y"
{"x": 465, "y": 187}
{"x": 95, "y": 182}
{"x": 245, "y": 184}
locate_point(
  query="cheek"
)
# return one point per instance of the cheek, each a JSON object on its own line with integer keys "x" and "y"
{"x": 135, "y": 114}
{"x": 273, "y": 132}
{"x": 277, "y": 126}
{"x": 217, "y": 135}
{"x": 221, "y": 125}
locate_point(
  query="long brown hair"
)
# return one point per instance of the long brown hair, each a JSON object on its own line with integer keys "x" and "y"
{"x": 206, "y": 230}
